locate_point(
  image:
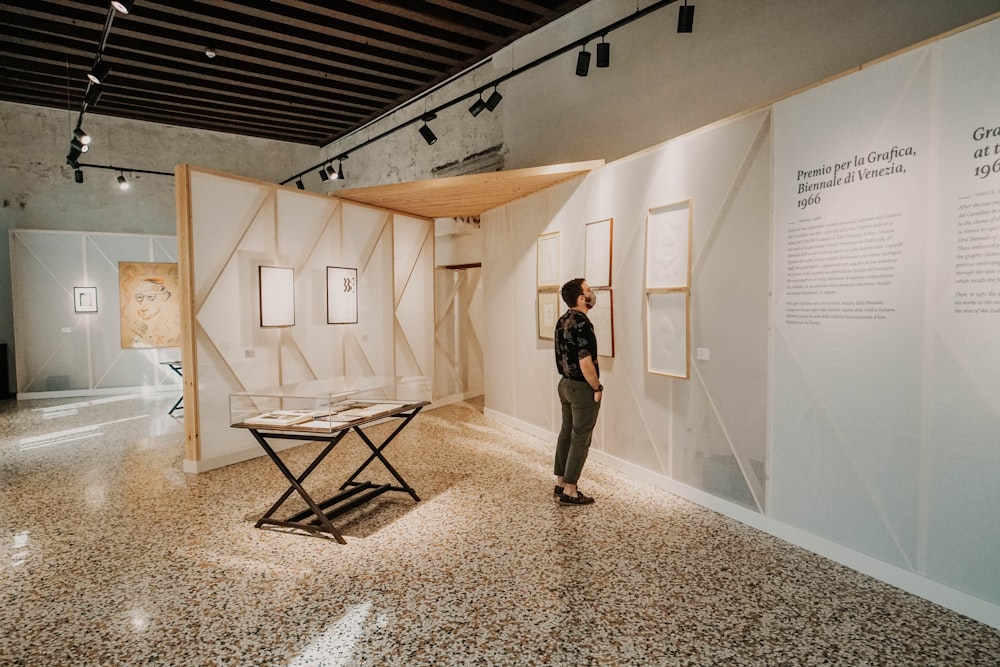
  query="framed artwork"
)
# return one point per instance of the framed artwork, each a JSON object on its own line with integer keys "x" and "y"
{"x": 668, "y": 246}
{"x": 667, "y": 333}
{"x": 548, "y": 314}
{"x": 602, "y": 317}
{"x": 341, "y": 295}
{"x": 598, "y": 254}
{"x": 548, "y": 260}
{"x": 277, "y": 296}
{"x": 84, "y": 299}
{"x": 149, "y": 298}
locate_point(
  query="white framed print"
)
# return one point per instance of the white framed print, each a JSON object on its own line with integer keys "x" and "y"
{"x": 597, "y": 259}
{"x": 668, "y": 246}
{"x": 667, "y": 333}
{"x": 277, "y": 296}
{"x": 84, "y": 299}
{"x": 548, "y": 260}
{"x": 548, "y": 314}
{"x": 341, "y": 295}
{"x": 602, "y": 316}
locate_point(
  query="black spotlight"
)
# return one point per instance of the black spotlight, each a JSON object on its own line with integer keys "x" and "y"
{"x": 477, "y": 106}
{"x": 685, "y": 19}
{"x": 81, "y": 136}
{"x": 494, "y": 100}
{"x": 331, "y": 171}
{"x": 93, "y": 95}
{"x": 72, "y": 157}
{"x": 603, "y": 54}
{"x": 300, "y": 185}
{"x": 425, "y": 130}
{"x": 583, "y": 62}
{"x": 99, "y": 71}
{"x": 78, "y": 175}
{"x": 78, "y": 145}
{"x": 323, "y": 174}
{"x": 428, "y": 134}
{"x": 340, "y": 170}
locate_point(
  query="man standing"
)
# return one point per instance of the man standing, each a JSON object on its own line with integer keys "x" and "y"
{"x": 580, "y": 389}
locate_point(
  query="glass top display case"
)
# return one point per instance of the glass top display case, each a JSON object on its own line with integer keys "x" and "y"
{"x": 329, "y": 405}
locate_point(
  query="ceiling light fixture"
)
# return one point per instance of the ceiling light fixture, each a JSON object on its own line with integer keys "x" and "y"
{"x": 72, "y": 157}
{"x": 340, "y": 170}
{"x": 494, "y": 99}
{"x": 99, "y": 71}
{"x": 210, "y": 52}
{"x": 78, "y": 145}
{"x": 80, "y": 135}
{"x": 122, "y": 183}
{"x": 78, "y": 175}
{"x": 124, "y": 6}
{"x": 583, "y": 61}
{"x": 425, "y": 130}
{"x": 477, "y": 106}
{"x": 685, "y": 18}
{"x": 300, "y": 185}
{"x": 323, "y": 176}
{"x": 93, "y": 94}
{"x": 603, "y": 53}
{"x": 331, "y": 171}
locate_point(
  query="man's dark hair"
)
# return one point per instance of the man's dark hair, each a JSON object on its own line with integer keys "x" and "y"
{"x": 571, "y": 291}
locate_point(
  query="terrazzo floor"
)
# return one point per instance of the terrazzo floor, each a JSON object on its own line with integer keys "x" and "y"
{"x": 111, "y": 555}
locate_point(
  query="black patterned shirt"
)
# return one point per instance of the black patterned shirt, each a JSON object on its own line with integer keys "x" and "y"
{"x": 574, "y": 339}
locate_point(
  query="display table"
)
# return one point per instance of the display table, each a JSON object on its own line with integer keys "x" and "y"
{"x": 328, "y": 420}
{"x": 176, "y": 367}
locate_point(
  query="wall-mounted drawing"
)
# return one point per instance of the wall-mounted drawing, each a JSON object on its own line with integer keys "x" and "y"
{"x": 602, "y": 316}
{"x": 668, "y": 289}
{"x": 598, "y": 253}
{"x": 548, "y": 314}
{"x": 667, "y": 333}
{"x": 668, "y": 246}
{"x": 341, "y": 295}
{"x": 548, "y": 261}
{"x": 84, "y": 299}
{"x": 148, "y": 294}
{"x": 277, "y": 296}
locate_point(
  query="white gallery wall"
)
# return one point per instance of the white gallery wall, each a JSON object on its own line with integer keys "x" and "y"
{"x": 844, "y": 380}
{"x": 64, "y": 352}
{"x": 228, "y": 227}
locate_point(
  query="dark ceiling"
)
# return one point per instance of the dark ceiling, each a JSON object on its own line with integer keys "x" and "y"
{"x": 306, "y": 72}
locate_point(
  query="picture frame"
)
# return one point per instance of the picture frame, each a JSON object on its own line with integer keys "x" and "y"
{"x": 602, "y": 317}
{"x": 149, "y": 300}
{"x": 277, "y": 296}
{"x": 548, "y": 314}
{"x": 548, "y": 260}
{"x": 598, "y": 253}
{"x": 84, "y": 299}
{"x": 668, "y": 246}
{"x": 668, "y": 333}
{"x": 341, "y": 295}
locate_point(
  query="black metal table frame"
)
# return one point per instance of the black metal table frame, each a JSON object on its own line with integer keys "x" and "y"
{"x": 175, "y": 366}
{"x": 316, "y": 520}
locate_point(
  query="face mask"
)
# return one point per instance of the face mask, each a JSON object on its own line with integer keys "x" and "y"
{"x": 590, "y": 300}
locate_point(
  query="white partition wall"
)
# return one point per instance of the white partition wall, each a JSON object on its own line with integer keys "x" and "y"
{"x": 65, "y": 350}
{"x": 230, "y": 227}
{"x": 844, "y": 391}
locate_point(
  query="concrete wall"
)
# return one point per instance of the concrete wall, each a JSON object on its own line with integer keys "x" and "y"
{"x": 37, "y": 190}
{"x": 742, "y": 54}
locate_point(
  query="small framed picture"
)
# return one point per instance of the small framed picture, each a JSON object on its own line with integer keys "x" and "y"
{"x": 341, "y": 295}
{"x": 85, "y": 299}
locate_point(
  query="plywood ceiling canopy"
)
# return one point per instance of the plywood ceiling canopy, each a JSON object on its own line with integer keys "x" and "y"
{"x": 470, "y": 195}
